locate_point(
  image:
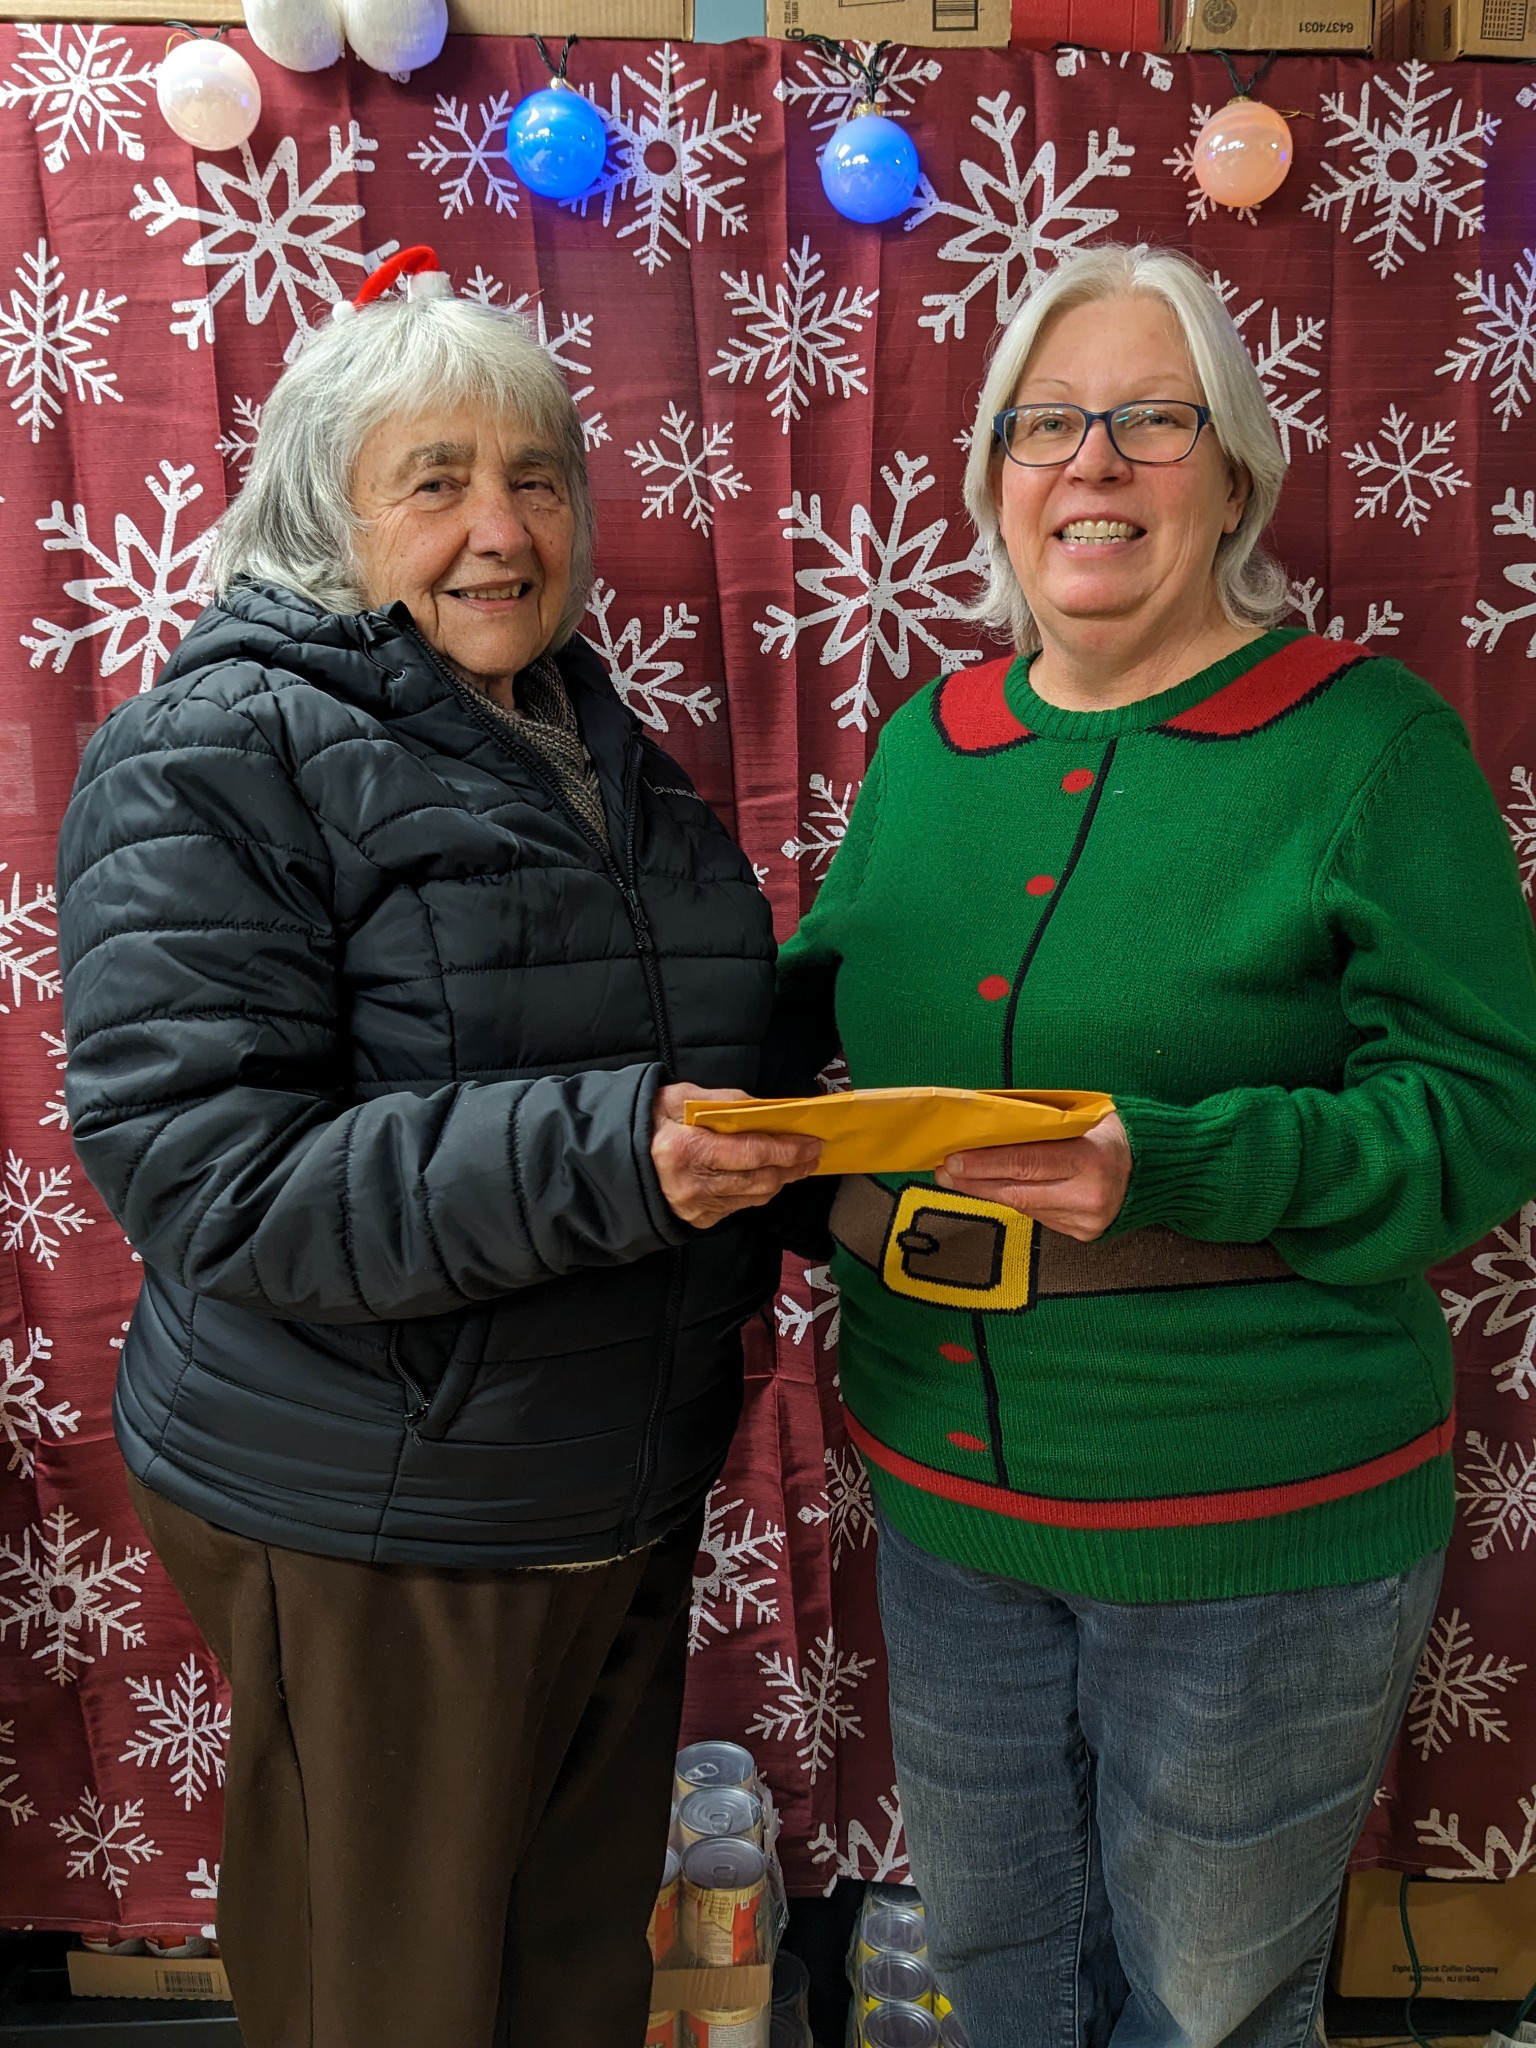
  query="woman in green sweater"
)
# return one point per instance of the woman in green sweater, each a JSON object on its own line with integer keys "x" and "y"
{"x": 1159, "y": 1420}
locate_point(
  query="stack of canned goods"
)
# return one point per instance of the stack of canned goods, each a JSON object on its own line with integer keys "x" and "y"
{"x": 713, "y": 1910}
{"x": 896, "y": 2003}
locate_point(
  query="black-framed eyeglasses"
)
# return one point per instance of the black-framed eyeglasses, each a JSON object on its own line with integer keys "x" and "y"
{"x": 1150, "y": 430}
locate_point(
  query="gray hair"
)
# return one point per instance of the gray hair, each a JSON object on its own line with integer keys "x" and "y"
{"x": 293, "y": 523}
{"x": 1250, "y": 584}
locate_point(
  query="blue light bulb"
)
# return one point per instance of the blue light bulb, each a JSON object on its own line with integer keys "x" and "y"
{"x": 556, "y": 142}
{"x": 869, "y": 168}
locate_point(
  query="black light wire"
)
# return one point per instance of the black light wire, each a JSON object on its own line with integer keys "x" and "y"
{"x": 869, "y": 72}
{"x": 1239, "y": 89}
{"x": 556, "y": 71}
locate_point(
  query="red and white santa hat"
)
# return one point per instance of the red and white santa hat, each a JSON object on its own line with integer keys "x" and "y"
{"x": 425, "y": 278}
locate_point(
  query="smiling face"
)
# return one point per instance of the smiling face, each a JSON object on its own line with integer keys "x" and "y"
{"x": 1106, "y": 550}
{"x": 469, "y": 524}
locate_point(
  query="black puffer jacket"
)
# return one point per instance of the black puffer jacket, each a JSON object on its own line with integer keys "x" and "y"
{"x": 365, "y": 1030}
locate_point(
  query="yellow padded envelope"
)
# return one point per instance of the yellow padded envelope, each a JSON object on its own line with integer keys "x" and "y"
{"x": 909, "y": 1130}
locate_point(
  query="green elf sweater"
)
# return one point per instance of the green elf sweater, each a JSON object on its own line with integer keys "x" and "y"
{"x": 1275, "y": 913}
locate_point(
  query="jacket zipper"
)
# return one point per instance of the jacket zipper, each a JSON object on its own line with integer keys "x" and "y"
{"x": 626, "y": 880}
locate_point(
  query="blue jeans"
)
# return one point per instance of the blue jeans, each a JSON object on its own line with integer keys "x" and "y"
{"x": 1130, "y": 1823}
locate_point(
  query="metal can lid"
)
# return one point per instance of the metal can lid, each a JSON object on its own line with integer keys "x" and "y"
{"x": 670, "y": 1868}
{"x": 723, "y": 1864}
{"x": 895, "y": 1928}
{"x": 900, "y": 2026}
{"x": 951, "y": 2033}
{"x": 715, "y": 1763}
{"x": 721, "y": 1810}
{"x": 897, "y": 1978}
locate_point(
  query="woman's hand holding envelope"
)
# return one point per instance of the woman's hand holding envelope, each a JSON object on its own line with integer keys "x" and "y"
{"x": 1074, "y": 1185}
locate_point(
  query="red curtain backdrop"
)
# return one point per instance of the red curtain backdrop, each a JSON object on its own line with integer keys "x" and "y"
{"x": 775, "y": 403}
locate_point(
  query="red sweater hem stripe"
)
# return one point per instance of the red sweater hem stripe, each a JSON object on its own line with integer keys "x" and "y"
{"x": 1170, "y": 1511}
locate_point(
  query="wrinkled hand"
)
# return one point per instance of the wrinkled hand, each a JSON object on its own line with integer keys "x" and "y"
{"x": 707, "y": 1175}
{"x": 1074, "y": 1185}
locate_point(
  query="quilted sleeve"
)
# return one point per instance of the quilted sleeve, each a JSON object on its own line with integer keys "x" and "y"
{"x": 206, "y": 1077}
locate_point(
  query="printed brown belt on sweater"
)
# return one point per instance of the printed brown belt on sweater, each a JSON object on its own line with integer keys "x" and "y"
{"x": 959, "y": 1252}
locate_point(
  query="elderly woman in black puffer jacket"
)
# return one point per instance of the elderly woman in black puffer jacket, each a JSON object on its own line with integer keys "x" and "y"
{"x": 392, "y": 947}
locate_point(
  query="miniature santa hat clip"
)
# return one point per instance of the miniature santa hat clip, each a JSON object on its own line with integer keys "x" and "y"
{"x": 425, "y": 278}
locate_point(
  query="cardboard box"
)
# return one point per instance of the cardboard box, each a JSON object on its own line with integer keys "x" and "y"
{"x": 920, "y": 24}
{"x": 1393, "y": 40}
{"x": 1474, "y": 28}
{"x": 687, "y": 1988}
{"x": 1269, "y": 24}
{"x": 98, "y": 1976}
{"x": 1474, "y": 1940}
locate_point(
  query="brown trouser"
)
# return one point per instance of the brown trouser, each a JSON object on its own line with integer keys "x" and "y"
{"x": 447, "y": 1794}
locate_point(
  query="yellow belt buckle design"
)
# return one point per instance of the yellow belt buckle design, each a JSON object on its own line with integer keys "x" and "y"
{"x": 1008, "y": 1286}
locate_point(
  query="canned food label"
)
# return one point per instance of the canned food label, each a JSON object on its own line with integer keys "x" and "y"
{"x": 661, "y": 2030}
{"x": 747, "y": 2028}
{"x": 722, "y": 1928}
{"x": 662, "y": 1932}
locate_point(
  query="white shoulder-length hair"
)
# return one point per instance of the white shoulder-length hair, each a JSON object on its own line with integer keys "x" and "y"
{"x": 293, "y": 522}
{"x": 1249, "y": 583}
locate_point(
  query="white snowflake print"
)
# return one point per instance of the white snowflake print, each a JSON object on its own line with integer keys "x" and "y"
{"x": 1278, "y": 359}
{"x": 80, "y": 94}
{"x": 807, "y": 1706}
{"x": 1381, "y": 620}
{"x": 821, "y": 833}
{"x": 1430, "y": 192}
{"x": 185, "y": 1729}
{"x": 827, "y": 93}
{"x": 1509, "y": 1266}
{"x": 1503, "y": 1855}
{"x": 104, "y": 1848}
{"x": 66, "y": 1595}
{"x": 740, "y": 1575}
{"x": 1198, "y": 203}
{"x": 1505, "y": 341}
{"x": 1485, "y": 627}
{"x": 164, "y": 579}
{"x": 28, "y": 968}
{"x": 1521, "y": 820}
{"x": 665, "y": 161}
{"x": 1451, "y": 1691}
{"x": 1017, "y": 224}
{"x": 880, "y": 608}
{"x": 237, "y": 444}
{"x": 1496, "y": 1491}
{"x": 795, "y": 338}
{"x": 45, "y": 344}
{"x": 641, "y": 674}
{"x": 695, "y": 474}
{"x": 254, "y": 234}
{"x": 575, "y": 333}
{"x": 845, "y": 1508}
{"x": 469, "y": 150}
{"x": 37, "y": 1219}
{"x": 796, "y": 1318}
{"x": 203, "y": 1883}
{"x": 24, "y": 1414}
{"x": 55, "y": 1110}
{"x": 15, "y": 1803}
{"x": 1155, "y": 71}
{"x": 879, "y": 1862}
{"x": 1401, "y": 479}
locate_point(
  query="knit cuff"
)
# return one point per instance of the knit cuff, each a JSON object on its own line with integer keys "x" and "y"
{"x": 1220, "y": 1170}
